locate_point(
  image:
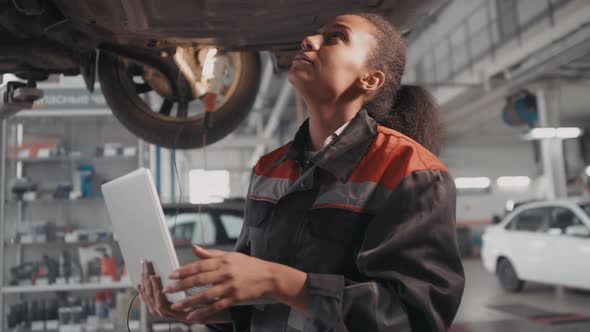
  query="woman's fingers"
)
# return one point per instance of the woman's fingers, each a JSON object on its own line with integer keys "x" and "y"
{"x": 146, "y": 285}
{"x": 201, "y": 279}
{"x": 144, "y": 298}
{"x": 148, "y": 273}
{"x": 162, "y": 303}
{"x": 197, "y": 267}
{"x": 149, "y": 267}
{"x": 206, "y": 253}
{"x": 203, "y": 299}
{"x": 151, "y": 293}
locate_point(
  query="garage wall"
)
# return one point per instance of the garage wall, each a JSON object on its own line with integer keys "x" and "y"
{"x": 479, "y": 208}
{"x": 493, "y": 162}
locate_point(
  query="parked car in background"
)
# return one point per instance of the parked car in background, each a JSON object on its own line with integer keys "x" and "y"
{"x": 546, "y": 242}
{"x": 214, "y": 226}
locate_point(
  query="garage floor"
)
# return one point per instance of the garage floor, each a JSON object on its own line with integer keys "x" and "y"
{"x": 486, "y": 307}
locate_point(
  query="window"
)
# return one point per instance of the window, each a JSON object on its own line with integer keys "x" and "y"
{"x": 586, "y": 208}
{"x": 532, "y": 220}
{"x": 232, "y": 224}
{"x": 563, "y": 220}
{"x": 183, "y": 232}
{"x": 507, "y": 18}
{"x": 188, "y": 228}
{"x": 208, "y": 186}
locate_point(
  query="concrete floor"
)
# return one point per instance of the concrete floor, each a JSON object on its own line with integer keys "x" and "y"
{"x": 486, "y": 307}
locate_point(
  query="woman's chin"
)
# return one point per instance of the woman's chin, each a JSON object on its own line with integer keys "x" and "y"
{"x": 296, "y": 77}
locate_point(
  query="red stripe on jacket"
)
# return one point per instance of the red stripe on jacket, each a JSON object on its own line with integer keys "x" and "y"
{"x": 389, "y": 159}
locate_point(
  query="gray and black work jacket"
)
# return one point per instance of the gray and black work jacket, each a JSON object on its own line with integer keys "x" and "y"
{"x": 370, "y": 219}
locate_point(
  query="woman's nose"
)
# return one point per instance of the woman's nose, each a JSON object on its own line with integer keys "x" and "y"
{"x": 311, "y": 43}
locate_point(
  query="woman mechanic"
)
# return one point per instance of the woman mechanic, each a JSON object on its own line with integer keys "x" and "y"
{"x": 351, "y": 226}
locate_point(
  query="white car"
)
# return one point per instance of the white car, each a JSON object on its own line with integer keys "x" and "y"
{"x": 215, "y": 226}
{"x": 546, "y": 242}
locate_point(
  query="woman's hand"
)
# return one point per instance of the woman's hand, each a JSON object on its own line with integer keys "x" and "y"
{"x": 235, "y": 278}
{"x": 151, "y": 293}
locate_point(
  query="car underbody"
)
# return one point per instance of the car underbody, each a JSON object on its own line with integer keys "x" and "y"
{"x": 68, "y": 37}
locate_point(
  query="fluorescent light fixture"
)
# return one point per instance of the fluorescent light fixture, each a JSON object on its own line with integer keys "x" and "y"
{"x": 472, "y": 183}
{"x": 588, "y": 171}
{"x": 542, "y": 133}
{"x": 208, "y": 186}
{"x": 548, "y": 133}
{"x": 513, "y": 182}
{"x": 568, "y": 132}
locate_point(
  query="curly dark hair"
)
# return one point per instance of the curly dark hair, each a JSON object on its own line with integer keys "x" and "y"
{"x": 408, "y": 109}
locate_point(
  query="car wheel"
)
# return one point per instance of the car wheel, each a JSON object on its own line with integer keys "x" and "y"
{"x": 508, "y": 278}
{"x": 126, "y": 85}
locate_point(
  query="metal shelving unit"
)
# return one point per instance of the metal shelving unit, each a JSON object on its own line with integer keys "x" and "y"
{"x": 65, "y": 287}
{"x": 61, "y": 243}
{"x": 73, "y": 159}
{"x": 24, "y": 210}
{"x": 55, "y": 200}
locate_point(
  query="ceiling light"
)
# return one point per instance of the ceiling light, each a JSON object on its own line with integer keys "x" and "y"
{"x": 513, "y": 182}
{"x": 568, "y": 132}
{"x": 588, "y": 171}
{"x": 548, "y": 133}
{"x": 472, "y": 183}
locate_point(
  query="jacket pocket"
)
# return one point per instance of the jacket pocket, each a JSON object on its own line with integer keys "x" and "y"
{"x": 338, "y": 225}
{"x": 258, "y": 212}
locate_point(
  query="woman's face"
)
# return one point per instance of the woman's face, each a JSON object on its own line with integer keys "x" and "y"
{"x": 334, "y": 60}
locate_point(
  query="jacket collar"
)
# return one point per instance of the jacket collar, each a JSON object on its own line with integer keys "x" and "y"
{"x": 344, "y": 153}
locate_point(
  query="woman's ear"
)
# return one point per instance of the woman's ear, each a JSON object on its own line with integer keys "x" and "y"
{"x": 372, "y": 81}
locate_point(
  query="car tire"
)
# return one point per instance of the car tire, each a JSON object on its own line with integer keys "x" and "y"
{"x": 507, "y": 277}
{"x": 180, "y": 133}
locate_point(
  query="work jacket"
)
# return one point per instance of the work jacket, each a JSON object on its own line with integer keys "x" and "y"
{"x": 370, "y": 219}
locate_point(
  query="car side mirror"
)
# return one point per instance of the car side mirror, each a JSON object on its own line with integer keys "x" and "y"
{"x": 496, "y": 219}
{"x": 578, "y": 230}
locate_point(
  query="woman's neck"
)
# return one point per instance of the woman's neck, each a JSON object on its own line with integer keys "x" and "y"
{"x": 324, "y": 120}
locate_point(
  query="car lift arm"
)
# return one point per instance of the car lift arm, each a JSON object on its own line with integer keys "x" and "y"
{"x": 17, "y": 96}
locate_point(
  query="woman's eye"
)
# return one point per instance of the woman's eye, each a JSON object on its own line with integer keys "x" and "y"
{"x": 338, "y": 35}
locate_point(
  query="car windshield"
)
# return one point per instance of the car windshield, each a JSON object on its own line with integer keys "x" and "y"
{"x": 586, "y": 208}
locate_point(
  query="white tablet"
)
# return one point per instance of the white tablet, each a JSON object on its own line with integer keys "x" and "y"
{"x": 142, "y": 233}
{"x": 139, "y": 224}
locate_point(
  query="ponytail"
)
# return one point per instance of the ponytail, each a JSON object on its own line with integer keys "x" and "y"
{"x": 415, "y": 114}
{"x": 408, "y": 109}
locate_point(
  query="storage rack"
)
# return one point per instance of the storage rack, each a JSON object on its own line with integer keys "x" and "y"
{"x": 118, "y": 165}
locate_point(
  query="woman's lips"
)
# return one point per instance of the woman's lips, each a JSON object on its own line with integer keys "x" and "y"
{"x": 302, "y": 58}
